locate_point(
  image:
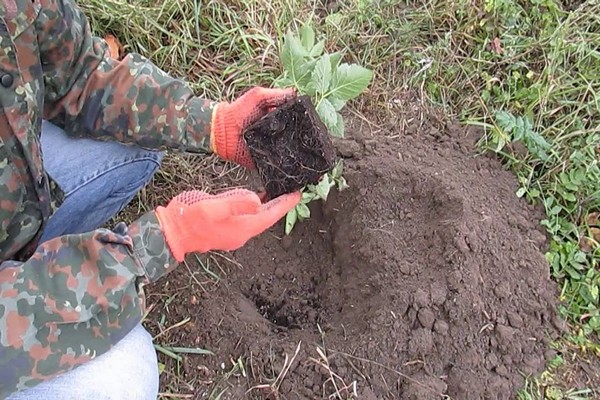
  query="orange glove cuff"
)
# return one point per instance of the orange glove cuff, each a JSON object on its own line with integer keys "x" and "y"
{"x": 218, "y": 137}
{"x": 172, "y": 229}
{"x": 226, "y": 138}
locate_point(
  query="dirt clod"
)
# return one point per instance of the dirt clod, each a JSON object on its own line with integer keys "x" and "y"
{"x": 426, "y": 318}
{"x": 290, "y": 147}
{"x": 440, "y": 327}
{"x": 514, "y": 319}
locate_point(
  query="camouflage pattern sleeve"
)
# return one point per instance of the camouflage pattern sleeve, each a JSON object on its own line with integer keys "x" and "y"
{"x": 90, "y": 94}
{"x": 74, "y": 298}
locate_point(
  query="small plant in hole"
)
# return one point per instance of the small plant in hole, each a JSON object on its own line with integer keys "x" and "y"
{"x": 330, "y": 84}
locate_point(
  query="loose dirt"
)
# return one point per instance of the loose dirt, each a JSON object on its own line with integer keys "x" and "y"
{"x": 426, "y": 278}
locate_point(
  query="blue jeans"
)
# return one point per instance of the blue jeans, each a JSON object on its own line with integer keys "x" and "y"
{"x": 99, "y": 179}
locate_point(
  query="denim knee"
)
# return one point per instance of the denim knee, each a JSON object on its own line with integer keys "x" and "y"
{"x": 95, "y": 202}
{"x": 131, "y": 370}
{"x": 128, "y": 371}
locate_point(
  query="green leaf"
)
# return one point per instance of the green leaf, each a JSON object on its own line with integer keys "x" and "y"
{"x": 303, "y": 211}
{"x": 594, "y": 289}
{"x": 290, "y": 220}
{"x": 534, "y": 193}
{"x": 506, "y": 121}
{"x": 293, "y": 56}
{"x": 349, "y": 81}
{"x": 338, "y": 129}
{"x": 566, "y": 181}
{"x": 521, "y": 192}
{"x": 187, "y": 350}
{"x": 500, "y": 139}
{"x": 569, "y": 196}
{"x": 318, "y": 48}
{"x": 341, "y": 184}
{"x": 307, "y": 37}
{"x": 336, "y": 172}
{"x": 305, "y": 73}
{"x": 519, "y": 129}
{"x": 327, "y": 114}
{"x": 322, "y": 188}
{"x": 321, "y": 76}
{"x": 296, "y": 45}
{"x": 335, "y": 59}
{"x": 573, "y": 273}
{"x": 338, "y": 104}
{"x": 310, "y": 89}
{"x": 307, "y": 197}
{"x": 283, "y": 82}
{"x": 334, "y": 19}
{"x": 555, "y": 210}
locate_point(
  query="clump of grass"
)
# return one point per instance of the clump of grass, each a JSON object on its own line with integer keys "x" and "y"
{"x": 567, "y": 378}
{"x": 218, "y": 47}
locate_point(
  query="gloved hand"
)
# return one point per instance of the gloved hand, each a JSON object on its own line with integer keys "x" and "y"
{"x": 230, "y": 119}
{"x": 196, "y": 221}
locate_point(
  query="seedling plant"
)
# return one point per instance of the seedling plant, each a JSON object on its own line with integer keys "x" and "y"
{"x": 330, "y": 83}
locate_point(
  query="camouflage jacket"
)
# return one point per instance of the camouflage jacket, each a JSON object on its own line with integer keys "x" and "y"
{"x": 69, "y": 300}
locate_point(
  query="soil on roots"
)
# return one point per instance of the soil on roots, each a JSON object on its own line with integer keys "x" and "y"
{"x": 424, "y": 279}
{"x": 290, "y": 147}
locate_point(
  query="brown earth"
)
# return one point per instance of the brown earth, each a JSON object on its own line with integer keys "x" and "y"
{"x": 424, "y": 280}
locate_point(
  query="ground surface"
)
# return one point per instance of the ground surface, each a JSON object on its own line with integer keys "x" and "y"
{"x": 425, "y": 278}
{"x": 526, "y": 72}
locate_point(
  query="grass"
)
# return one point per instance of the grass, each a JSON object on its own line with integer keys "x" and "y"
{"x": 526, "y": 72}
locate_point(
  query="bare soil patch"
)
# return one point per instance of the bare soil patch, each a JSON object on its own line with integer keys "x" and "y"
{"x": 426, "y": 278}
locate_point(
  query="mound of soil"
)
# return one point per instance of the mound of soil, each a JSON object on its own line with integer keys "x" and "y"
{"x": 422, "y": 280}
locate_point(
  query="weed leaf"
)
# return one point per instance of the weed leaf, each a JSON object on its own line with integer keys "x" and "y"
{"x": 337, "y": 103}
{"x": 290, "y": 220}
{"x": 327, "y": 114}
{"x": 307, "y": 37}
{"x": 505, "y": 120}
{"x": 520, "y": 129}
{"x": 349, "y": 81}
{"x": 321, "y": 75}
{"x": 317, "y": 50}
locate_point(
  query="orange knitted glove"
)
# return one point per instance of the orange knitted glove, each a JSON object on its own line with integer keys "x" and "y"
{"x": 196, "y": 221}
{"x": 230, "y": 120}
